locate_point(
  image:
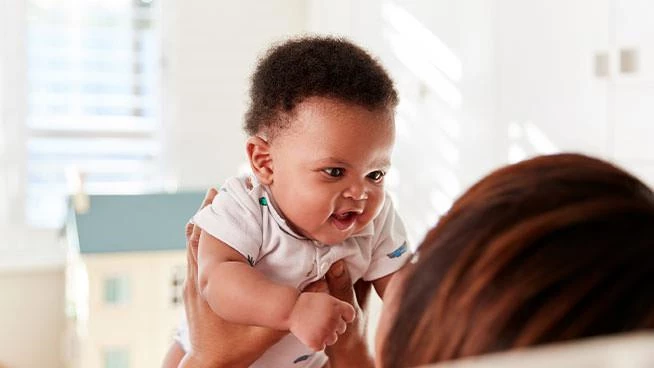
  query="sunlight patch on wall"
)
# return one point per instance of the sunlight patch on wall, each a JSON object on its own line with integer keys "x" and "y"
{"x": 423, "y": 53}
{"x": 434, "y": 50}
{"x": 426, "y": 72}
{"x": 537, "y": 138}
{"x": 427, "y": 157}
{"x": 526, "y": 140}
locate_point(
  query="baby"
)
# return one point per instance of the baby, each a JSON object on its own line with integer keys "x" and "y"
{"x": 321, "y": 133}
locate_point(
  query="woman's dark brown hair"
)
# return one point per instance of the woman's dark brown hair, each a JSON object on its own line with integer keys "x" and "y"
{"x": 554, "y": 248}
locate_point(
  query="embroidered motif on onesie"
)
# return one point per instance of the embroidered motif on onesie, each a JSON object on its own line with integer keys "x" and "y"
{"x": 302, "y": 358}
{"x": 398, "y": 252}
{"x": 263, "y": 201}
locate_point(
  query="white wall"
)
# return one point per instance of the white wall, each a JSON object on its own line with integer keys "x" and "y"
{"x": 12, "y": 127}
{"x": 548, "y": 86}
{"x": 3, "y": 155}
{"x": 550, "y": 95}
{"x": 209, "y": 56}
{"x": 31, "y": 316}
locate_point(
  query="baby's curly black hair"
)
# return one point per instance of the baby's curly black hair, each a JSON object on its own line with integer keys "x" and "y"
{"x": 309, "y": 67}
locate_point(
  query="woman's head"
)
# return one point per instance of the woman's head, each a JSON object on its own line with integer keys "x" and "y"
{"x": 553, "y": 248}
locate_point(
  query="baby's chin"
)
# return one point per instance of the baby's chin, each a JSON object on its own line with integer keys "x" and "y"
{"x": 338, "y": 237}
{"x": 332, "y": 240}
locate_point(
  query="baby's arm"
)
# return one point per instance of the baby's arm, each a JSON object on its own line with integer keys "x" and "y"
{"x": 238, "y": 293}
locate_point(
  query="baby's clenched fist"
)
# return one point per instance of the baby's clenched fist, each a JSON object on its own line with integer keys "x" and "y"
{"x": 318, "y": 318}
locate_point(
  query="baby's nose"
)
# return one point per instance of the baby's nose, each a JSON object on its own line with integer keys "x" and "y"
{"x": 356, "y": 192}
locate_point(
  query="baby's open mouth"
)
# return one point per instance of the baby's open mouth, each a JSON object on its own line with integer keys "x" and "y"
{"x": 344, "y": 221}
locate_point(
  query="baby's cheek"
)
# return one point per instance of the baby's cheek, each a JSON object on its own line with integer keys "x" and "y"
{"x": 376, "y": 204}
{"x": 371, "y": 212}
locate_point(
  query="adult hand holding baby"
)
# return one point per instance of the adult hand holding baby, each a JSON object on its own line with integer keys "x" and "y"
{"x": 214, "y": 341}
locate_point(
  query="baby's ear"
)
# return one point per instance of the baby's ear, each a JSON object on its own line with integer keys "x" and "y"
{"x": 258, "y": 151}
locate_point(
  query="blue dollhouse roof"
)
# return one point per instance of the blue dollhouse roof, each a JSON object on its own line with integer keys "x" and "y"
{"x": 132, "y": 223}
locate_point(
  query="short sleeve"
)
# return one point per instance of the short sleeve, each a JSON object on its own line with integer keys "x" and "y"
{"x": 390, "y": 245}
{"x": 234, "y": 217}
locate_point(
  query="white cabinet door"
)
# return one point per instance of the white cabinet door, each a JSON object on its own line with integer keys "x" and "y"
{"x": 634, "y": 40}
{"x": 633, "y": 101}
{"x": 550, "y": 97}
{"x": 634, "y": 122}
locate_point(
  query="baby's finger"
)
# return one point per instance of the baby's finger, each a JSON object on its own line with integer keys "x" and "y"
{"x": 342, "y": 326}
{"x": 347, "y": 312}
{"x": 331, "y": 340}
{"x": 316, "y": 347}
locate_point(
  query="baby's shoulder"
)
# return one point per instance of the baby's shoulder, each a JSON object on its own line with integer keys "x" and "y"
{"x": 242, "y": 185}
{"x": 243, "y": 191}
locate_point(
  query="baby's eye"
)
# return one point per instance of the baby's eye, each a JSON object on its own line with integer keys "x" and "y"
{"x": 334, "y": 172}
{"x": 376, "y": 176}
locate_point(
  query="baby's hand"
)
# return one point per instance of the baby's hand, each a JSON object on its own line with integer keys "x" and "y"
{"x": 318, "y": 318}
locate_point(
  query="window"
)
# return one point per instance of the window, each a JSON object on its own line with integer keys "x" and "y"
{"x": 116, "y": 290}
{"x": 116, "y": 358}
{"x": 93, "y": 110}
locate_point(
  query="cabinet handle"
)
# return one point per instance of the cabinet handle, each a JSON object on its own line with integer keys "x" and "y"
{"x": 628, "y": 60}
{"x": 601, "y": 64}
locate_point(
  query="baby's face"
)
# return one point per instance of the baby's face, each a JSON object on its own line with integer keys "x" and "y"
{"x": 329, "y": 167}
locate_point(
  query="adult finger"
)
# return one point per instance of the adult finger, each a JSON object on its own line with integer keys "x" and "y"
{"x": 191, "y": 271}
{"x": 339, "y": 282}
{"x": 194, "y": 242}
{"x": 189, "y": 230}
{"x": 319, "y": 286}
{"x": 194, "y": 237}
{"x": 208, "y": 197}
{"x": 362, "y": 290}
{"x": 350, "y": 350}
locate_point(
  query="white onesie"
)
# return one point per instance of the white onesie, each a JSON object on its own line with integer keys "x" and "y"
{"x": 243, "y": 217}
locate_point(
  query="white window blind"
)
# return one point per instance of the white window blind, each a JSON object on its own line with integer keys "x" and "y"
{"x": 93, "y": 105}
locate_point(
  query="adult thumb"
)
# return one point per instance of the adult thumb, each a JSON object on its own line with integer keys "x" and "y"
{"x": 339, "y": 282}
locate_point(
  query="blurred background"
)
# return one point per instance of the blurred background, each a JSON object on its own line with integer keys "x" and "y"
{"x": 116, "y": 115}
